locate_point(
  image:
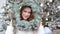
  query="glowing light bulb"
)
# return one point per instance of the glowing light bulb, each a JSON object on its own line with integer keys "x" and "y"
{"x": 58, "y": 7}
{"x": 41, "y": 4}
{"x": 50, "y": 0}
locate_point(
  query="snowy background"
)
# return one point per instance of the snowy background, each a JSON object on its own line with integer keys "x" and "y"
{"x": 2, "y": 3}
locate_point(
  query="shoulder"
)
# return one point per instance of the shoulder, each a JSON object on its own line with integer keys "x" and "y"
{"x": 47, "y": 30}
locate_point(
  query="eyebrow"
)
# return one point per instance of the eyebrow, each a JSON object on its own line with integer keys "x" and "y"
{"x": 25, "y": 10}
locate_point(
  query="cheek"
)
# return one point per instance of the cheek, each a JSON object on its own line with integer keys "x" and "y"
{"x": 25, "y": 14}
{"x": 28, "y": 14}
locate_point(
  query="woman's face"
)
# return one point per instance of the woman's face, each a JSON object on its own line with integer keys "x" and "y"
{"x": 26, "y": 13}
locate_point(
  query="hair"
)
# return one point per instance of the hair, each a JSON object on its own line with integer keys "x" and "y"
{"x": 31, "y": 14}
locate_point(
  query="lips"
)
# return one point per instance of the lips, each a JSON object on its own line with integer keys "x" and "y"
{"x": 26, "y": 16}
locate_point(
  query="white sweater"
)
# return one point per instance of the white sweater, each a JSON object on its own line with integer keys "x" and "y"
{"x": 10, "y": 31}
{"x": 41, "y": 30}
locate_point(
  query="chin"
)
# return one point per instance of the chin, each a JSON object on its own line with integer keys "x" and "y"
{"x": 25, "y": 19}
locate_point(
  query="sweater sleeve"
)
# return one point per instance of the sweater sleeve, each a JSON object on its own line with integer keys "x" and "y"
{"x": 9, "y": 30}
{"x": 41, "y": 30}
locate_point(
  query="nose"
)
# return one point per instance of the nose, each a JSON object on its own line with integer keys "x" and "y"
{"x": 27, "y": 14}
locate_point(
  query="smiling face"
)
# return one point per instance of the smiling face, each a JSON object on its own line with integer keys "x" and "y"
{"x": 26, "y": 13}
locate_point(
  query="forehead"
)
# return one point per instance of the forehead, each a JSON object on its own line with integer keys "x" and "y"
{"x": 27, "y": 9}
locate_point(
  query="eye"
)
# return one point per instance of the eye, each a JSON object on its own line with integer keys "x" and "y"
{"x": 25, "y": 11}
{"x": 29, "y": 12}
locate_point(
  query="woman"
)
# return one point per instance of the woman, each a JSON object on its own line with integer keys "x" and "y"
{"x": 26, "y": 14}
